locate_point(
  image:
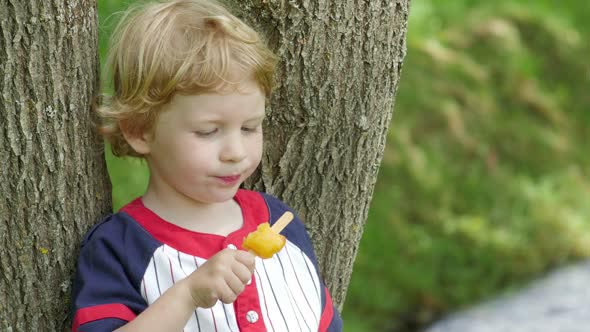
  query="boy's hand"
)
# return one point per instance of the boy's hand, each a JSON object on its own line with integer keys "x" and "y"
{"x": 223, "y": 277}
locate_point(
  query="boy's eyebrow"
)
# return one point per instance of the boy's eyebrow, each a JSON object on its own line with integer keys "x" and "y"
{"x": 258, "y": 117}
{"x": 261, "y": 116}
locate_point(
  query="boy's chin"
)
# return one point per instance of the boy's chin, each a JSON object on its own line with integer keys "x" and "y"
{"x": 221, "y": 195}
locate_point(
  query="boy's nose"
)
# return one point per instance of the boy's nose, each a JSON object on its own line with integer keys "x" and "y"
{"x": 233, "y": 149}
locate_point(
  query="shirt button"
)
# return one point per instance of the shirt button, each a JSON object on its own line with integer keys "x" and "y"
{"x": 252, "y": 316}
{"x": 231, "y": 246}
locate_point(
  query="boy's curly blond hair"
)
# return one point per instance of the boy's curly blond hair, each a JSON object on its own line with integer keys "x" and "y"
{"x": 180, "y": 46}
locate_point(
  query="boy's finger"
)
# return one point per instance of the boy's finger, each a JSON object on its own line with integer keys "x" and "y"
{"x": 246, "y": 258}
{"x": 227, "y": 294}
{"x": 235, "y": 284}
{"x": 242, "y": 272}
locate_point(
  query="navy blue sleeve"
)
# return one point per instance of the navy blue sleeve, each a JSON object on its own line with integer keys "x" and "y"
{"x": 106, "y": 289}
{"x": 296, "y": 233}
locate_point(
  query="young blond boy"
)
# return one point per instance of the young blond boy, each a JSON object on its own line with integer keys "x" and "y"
{"x": 191, "y": 81}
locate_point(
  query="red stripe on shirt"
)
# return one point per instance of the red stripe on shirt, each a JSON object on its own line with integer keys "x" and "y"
{"x": 327, "y": 314}
{"x": 90, "y": 314}
{"x": 254, "y": 212}
{"x": 247, "y": 301}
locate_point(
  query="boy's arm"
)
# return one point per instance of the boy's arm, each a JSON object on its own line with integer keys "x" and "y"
{"x": 222, "y": 278}
{"x": 112, "y": 262}
{"x": 105, "y": 292}
{"x": 170, "y": 312}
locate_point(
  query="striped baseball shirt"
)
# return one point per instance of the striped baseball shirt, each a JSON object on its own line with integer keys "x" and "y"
{"x": 129, "y": 259}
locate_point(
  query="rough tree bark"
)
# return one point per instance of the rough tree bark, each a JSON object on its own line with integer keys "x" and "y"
{"x": 340, "y": 64}
{"x": 53, "y": 179}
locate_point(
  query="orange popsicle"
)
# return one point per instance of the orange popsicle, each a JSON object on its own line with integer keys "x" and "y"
{"x": 266, "y": 241}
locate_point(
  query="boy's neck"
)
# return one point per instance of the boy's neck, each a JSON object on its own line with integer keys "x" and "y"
{"x": 213, "y": 218}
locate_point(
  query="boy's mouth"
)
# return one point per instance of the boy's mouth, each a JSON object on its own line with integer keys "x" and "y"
{"x": 229, "y": 179}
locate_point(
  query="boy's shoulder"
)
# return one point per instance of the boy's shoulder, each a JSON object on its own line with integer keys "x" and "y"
{"x": 108, "y": 227}
{"x": 273, "y": 207}
{"x": 258, "y": 197}
{"x": 117, "y": 229}
{"x": 271, "y": 203}
{"x": 117, "y": 241}
{"x": 295, "y": 232}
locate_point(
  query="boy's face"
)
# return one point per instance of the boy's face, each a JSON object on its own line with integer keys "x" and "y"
{"x": 204, "y": 146}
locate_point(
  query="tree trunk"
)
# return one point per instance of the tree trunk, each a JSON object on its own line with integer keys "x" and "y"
{"x": 340, "y": 64}
{"x": 53, "y": 175}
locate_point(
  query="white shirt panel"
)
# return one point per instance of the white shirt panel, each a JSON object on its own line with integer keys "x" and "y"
{"x": 287, "y": 284}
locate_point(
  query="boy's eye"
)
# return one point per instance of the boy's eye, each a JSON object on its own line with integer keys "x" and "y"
{"x": 205, "y": 133}
{"x": 251, "y": 129}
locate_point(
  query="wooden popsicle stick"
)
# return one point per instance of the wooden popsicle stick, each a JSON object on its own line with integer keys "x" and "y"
{"x": 283, "y": 221}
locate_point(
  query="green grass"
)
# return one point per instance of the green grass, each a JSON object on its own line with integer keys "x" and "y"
{"x": 483, "y": 184}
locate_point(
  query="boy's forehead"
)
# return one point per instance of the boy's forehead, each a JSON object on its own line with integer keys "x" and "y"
{"x": 246, "y": 96}
{"x": 190, "y": 110}
{"x": 227, "y": 87}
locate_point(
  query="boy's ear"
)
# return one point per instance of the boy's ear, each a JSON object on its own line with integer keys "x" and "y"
{"x": 139, "y": 140}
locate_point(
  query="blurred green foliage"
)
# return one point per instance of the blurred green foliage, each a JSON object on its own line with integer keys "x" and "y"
{"x": 484, "y": 181}
{"x": 129, "y": 176}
